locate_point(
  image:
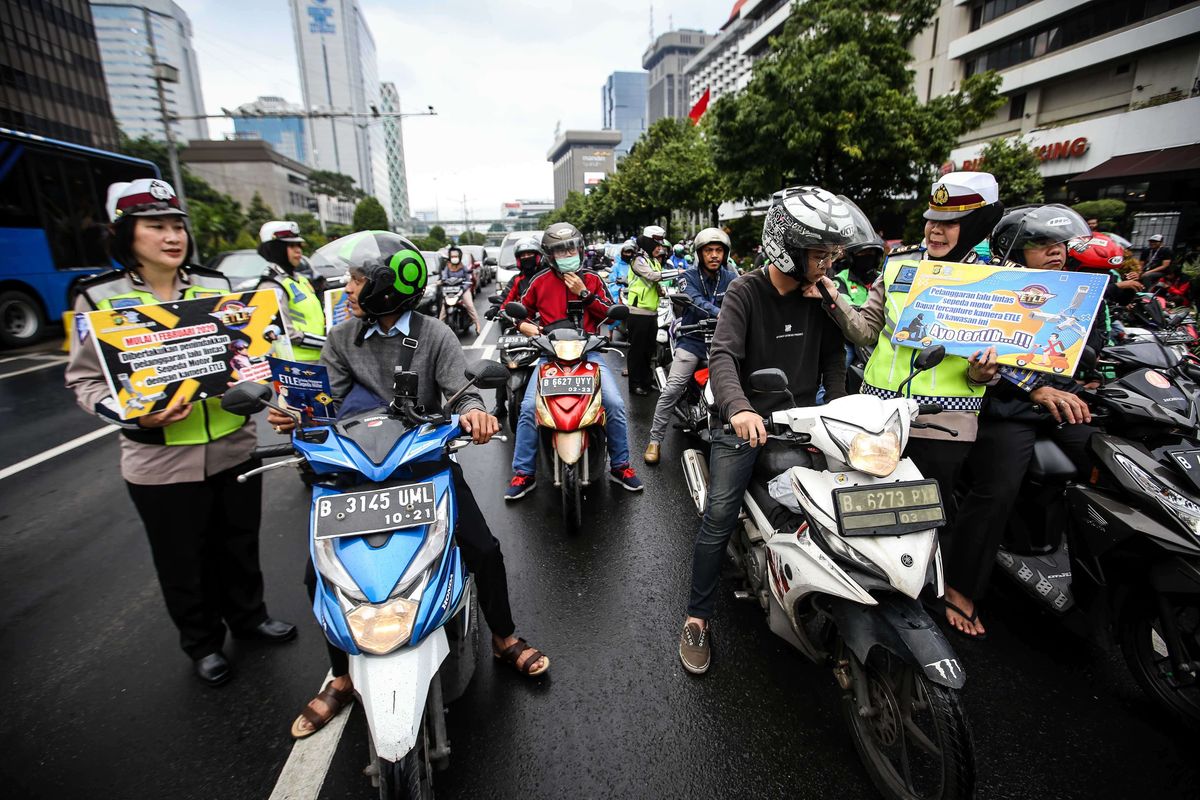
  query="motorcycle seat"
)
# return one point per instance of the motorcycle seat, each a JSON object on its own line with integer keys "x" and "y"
{"x": 1050, "y": 463}
{"x": 775, "y": 459}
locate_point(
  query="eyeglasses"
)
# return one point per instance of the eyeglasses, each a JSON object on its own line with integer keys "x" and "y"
{"x": 827, "y": 260}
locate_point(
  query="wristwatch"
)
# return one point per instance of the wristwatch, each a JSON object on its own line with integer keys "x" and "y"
{"x": 585, "y": 296}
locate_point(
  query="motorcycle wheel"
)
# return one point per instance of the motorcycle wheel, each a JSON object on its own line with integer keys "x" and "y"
{"x": 514, "y": 412}
{"x": 572, "y": 507}
{"x": 410, "y": 778}
{"x": 1139, "y": 631}
{"x": 915, "y": 742}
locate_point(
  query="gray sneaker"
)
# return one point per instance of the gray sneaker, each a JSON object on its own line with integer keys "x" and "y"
{"x": 694, "y": 650}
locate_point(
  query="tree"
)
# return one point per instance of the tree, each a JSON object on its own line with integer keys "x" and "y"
{"x": 370, "y": 216}
{"x": 1108, "y": 213}
{"x": 496, "y": 227}
{"x": 257, "y": 214}
{"x": 438, "y": 234}
{"x": 471, "y": 237}
{"x": 310, "y": 229}
{"x": 833, "y": 104}
{"x": 1015, "y": 165}
{"x": 245, "y": 241}
{"x": 572, "y": 211}
{"x": 334, "y": 184}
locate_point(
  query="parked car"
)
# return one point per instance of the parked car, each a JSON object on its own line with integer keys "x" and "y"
{"x": 432, "y": 299}
{"x": 242, "y": 267}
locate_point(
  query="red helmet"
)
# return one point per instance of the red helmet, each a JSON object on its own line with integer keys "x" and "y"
{"x": 1097, "y": 253}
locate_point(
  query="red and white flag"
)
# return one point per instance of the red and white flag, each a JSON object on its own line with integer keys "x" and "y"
{"x": 701, "y": 106}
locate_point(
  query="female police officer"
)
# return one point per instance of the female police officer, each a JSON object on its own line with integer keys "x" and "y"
{"x": 180, "y": 464}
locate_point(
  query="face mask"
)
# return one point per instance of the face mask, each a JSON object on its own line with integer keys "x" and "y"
{"x": 568, "y": 264}
{"x": 455, "y": 260}
{"x": 527, "y": 264}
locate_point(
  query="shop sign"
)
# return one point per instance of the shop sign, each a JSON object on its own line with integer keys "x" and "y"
{"x": 1071, "y": 148}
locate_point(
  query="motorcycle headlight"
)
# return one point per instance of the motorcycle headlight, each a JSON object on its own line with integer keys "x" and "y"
{"x": 876, "y": 454}
{"x": 570, "y": 350}
{"x": 380, "y": 629}
{"x": 331, "y": 569}
{"x": 1174, "y": 502}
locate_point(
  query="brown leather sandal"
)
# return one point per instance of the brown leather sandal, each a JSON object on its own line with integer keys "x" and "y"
{"x": 511, "y": 655}
{"x": 334, "y": 699}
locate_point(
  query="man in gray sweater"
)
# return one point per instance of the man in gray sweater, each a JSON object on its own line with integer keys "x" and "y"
{"x": 387, "y": 281}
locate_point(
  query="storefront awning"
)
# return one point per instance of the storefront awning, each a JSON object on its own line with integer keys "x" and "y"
{"x": 1151, "y": 162}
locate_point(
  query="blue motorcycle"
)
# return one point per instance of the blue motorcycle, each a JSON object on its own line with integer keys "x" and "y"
{"x": 392, "y": 588}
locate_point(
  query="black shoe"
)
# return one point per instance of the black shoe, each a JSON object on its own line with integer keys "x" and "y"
{"x": 269, "y": 630}
{"x": 213, "y": 669}
{"x": 641, "y": 391}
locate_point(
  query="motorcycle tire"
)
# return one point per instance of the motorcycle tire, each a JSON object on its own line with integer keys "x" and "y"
{"x": 1145, "y": 650}
{"x": 514, "y": 414}
{"x": 572, "y": 499}
{"x": 410, "y": 778}
{"x": 947, "y": 771}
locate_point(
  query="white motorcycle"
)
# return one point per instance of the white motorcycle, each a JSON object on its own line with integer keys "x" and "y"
{"x": 837, "y": 541}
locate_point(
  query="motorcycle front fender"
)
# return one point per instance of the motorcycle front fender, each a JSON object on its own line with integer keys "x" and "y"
{"x": 899, "y": 625}
{"x": 569, "y": 445}
{"x": 393, "y": 690}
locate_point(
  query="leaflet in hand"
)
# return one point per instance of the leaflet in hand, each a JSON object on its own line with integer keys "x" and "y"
{"x": 303, "y": 387}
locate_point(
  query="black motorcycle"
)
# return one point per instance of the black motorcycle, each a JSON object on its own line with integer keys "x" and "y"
{"x": 453, "y": 300}
{"x": 1116, "y": 554}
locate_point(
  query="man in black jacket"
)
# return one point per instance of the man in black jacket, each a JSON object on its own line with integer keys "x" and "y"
{"x": 770, "y": 318}
{"x": 1011, "y": 420}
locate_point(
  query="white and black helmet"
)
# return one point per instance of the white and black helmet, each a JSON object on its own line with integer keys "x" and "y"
{"x": 712, "y": 236}
{"x": 805, "y": 217}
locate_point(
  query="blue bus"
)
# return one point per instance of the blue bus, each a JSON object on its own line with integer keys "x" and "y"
{"x": 53, "y": 226}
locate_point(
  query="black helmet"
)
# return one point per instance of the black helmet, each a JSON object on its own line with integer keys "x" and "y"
{"x": 560, "y": 239}
{"x": 532, "y": 252}
{"x": 1035, "y": 226}
{"x": 394, "y": 270}
{"x": 805, "y": 217}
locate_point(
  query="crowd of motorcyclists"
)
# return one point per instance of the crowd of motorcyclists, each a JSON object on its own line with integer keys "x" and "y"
{"x": 828, "y": 294}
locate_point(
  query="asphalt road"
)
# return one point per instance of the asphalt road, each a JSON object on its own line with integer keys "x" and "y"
{"x": 99, "y": 701}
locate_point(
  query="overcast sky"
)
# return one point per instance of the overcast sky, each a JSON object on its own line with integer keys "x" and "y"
{"x": 500, "y": 75}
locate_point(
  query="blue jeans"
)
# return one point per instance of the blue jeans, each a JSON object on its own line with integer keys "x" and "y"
{"x": 525, "y": 449}
{"x": 729, "y": 469}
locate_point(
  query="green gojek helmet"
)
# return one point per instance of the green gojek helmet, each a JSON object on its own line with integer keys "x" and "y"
{"x": 392, "y": 266}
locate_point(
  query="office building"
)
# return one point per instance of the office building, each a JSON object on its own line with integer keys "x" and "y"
{"x": 277, "y": 122}
{"x": 339, "y": 75}
{"x": 242, "y": 167}
{"x": 132, "y": 36}
{"x": 723, "y": 67}
{"x": 581, "y": 160}
{"x": 393, "y": 140}
{"x": 623, "y": 100}
{"x": 52, "y": 82}
{"x": 1106, "y": 90}
{"x": 666, "y": 83}
{"x": 525, "y": 208}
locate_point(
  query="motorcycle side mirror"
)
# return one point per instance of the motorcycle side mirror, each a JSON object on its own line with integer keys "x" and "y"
{"x": 929, "y": 358}
{"x": 516, "y": 311}
{"x": 487, "y": 374}
{"x": 769, "y": 381}
{"x": 617, "y": 312}
{"x": 246, "y": 398}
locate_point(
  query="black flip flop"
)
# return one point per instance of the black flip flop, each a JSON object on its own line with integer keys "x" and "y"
{"x": 968, "y": 617}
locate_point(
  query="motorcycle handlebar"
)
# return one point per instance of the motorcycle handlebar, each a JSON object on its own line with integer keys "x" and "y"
{"x": 929, "y": 408}
{"x": 273, "y": 451}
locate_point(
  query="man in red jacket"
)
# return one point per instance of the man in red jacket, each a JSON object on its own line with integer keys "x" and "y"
{"x": 546, "y": 300}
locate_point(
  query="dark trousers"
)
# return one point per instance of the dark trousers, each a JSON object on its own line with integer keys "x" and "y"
{"x": 730, "y": 468}
{"x": 643, "y": 338}
{"x": 996, "y": 467}
{"x": 483, "y": 558}
{"x": 943, "y": 461}
{"x": 204, "y": 540}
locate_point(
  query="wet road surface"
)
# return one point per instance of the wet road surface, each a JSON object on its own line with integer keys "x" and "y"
{"x": 99, "y": 701}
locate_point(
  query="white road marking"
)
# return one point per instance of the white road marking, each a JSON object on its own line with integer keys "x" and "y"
{"x": 54, "y": 363}
{"x": 53, "y": 452}
{"x": 483, "y": 334}
{"x": 306, "y": 768}
{"x": 28, "y": 356}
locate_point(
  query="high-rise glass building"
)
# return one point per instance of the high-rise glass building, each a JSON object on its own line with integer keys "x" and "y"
{"x": 131, "y": 35}
{"x": 664, "y": 60}
{"x": 393, "y": 139}
{"x": 286, "y": 134}
{"x": 624, "y": 107}
{"x": 339, "y": 73}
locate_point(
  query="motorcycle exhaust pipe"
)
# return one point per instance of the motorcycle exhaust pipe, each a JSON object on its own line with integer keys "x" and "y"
{"x": 695, "y": 472}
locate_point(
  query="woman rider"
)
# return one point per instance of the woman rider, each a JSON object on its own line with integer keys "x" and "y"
{"x": 181, "y": 464}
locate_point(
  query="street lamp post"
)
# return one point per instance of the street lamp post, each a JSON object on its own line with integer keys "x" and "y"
{"x": 165, "y": 73}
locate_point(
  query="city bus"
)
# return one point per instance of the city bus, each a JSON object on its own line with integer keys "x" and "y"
{"x": 53, "y": 226}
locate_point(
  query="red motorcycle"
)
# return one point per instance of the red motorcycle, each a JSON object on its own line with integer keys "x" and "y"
{"x": 568, "y": 403}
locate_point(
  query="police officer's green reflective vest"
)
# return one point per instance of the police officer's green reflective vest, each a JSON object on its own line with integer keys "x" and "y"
{"x": 644, "y": 293}
{"x": 855, "y": 292}
{"x": 304, "y": 310}
{"x": 946, "y": 383}
{"x": 208, "y": 421}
